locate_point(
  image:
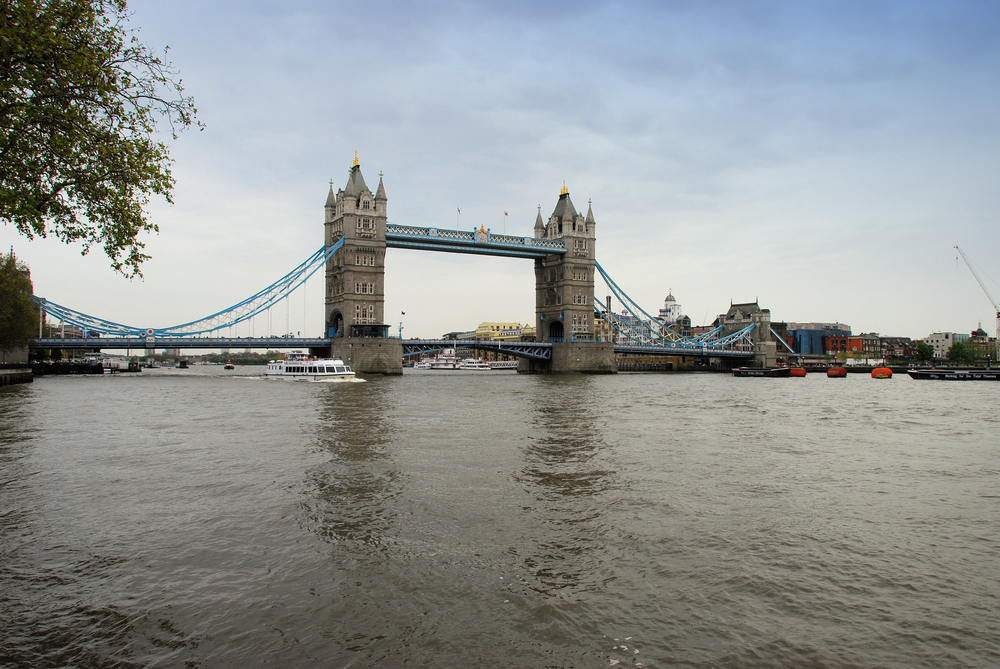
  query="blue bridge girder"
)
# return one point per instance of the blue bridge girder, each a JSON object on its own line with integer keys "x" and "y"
{"x": 519, "y": 349}
{"x": 697, "y": 351}
{"x": 460, "y": 241}
{"x": 237, "y": 343}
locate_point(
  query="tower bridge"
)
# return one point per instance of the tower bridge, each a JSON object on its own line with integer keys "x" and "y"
{"x": 575, "y": 332}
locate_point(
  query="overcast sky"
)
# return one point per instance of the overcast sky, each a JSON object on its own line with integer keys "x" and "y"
{"x": 822, "y": 157}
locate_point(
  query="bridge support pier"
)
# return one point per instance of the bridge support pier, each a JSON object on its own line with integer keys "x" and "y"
{"x": 587, "y": 357}
{"x": 370, "y": 355}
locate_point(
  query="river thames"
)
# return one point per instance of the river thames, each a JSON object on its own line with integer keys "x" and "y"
{"x": 202, "y": 518}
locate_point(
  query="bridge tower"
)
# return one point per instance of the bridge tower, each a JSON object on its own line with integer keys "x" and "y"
{"x": 355, "y": 277}
{"x": 564, "y": 293}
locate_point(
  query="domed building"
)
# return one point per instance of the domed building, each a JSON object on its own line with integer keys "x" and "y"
{"x": 671, "y": 317}
{"x": 671, "y": 311}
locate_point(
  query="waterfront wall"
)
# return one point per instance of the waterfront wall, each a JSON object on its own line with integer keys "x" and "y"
{"x": 15, "y": 375}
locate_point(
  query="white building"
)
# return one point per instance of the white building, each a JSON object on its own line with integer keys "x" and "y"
{"x": 942, "y": 341}
{"x": 671, "y": 311}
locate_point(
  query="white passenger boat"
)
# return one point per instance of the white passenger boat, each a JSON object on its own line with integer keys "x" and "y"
{"x": 474, "y": 363}
{"x": 304, "y": 369}
{"x": 443, "y": 361}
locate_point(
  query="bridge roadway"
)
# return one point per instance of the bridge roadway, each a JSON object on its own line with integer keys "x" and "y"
{"x": 411, "y": 347}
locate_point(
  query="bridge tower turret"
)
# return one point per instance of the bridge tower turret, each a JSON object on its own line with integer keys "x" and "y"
{"x": 564, "y": 291}
{"x": 564, "y": 283}
{"x": 355, "y": 275}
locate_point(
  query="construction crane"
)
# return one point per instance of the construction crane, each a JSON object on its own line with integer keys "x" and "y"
{"x": 996, "y": 307}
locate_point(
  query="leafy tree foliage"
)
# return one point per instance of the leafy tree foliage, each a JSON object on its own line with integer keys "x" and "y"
{"x": 924, "y": 352}
{"x": 18, "y": 313}
{"x": 80, "y": 101}
{"x": 959, "y": 353}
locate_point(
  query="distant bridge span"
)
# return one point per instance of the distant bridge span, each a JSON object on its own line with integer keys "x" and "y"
{"x": 411, "y": 347}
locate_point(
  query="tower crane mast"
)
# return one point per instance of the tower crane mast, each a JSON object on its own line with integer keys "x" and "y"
{"x": 996, "y": 307}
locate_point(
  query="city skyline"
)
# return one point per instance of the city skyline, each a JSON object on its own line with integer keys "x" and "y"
{"x": 823, "y": 159}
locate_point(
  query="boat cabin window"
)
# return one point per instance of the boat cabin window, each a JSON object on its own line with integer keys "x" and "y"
{"x": 341, "y": 369}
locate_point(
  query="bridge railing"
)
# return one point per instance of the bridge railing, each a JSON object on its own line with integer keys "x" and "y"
{"x": 471, "y": 239}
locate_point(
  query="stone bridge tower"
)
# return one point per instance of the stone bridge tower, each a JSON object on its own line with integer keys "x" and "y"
{"x": 355, "y": 277}
{"x": 564, "y": 293}
{"x": 740, "y": 316}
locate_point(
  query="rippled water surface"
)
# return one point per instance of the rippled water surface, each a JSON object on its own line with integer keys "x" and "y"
{"x": 200, "y": 518}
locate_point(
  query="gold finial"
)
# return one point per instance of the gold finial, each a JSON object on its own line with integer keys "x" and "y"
{"x": 564, "y": 191}
{"x": 355, "y": 159}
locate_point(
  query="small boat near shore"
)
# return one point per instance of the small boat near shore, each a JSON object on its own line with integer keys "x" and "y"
{"x": 305, "y": 369}
{"x": 769, "y": 372}
{"x": 955, "y": 374}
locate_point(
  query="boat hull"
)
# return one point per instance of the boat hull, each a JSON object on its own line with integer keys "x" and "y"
{"x": 954, "y": 374}
{"x": 768, "y": 372}
{"x": 313, "y": 378}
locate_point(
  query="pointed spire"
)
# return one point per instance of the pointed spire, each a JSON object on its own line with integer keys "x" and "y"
{"x": 564, "y": 208}
{"x": 380, "y": 191}
{"x": 590, "y": 212}
{"x": 331, "y": 199}
{"x": 355, "y": 182}
{"x": 349, "y": 190}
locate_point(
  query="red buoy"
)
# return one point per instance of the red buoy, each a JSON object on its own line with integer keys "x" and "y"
{"x": 797, "y": 371}
{"x": 836, "y": 372}
{"x": 881, "y": 373}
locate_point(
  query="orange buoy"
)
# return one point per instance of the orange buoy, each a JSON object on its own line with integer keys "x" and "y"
{"x": 836, "y": 372}
{"x": 881, "y": 373}
{"x": 797, "y": 371}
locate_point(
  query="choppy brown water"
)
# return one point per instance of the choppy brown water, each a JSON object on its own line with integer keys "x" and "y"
{"x": 198, "y": 518}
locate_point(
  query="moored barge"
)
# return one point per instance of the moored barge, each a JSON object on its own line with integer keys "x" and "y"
{"x": 770, "y": 372}
{"x": 955, "y": 374}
